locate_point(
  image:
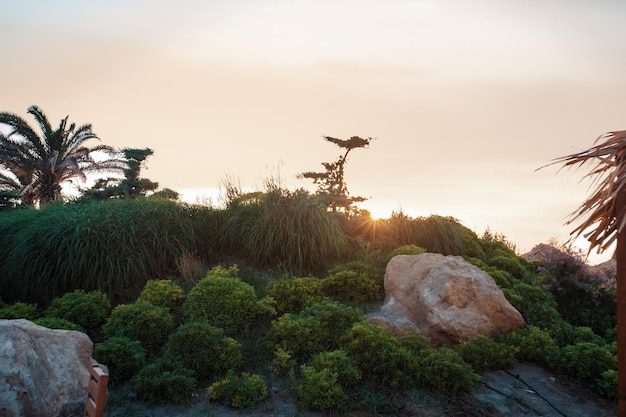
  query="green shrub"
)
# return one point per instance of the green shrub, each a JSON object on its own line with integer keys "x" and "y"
{"x": 315, "y": 329}
{"x": 224, "y": 302}
{"x": 238, "y": 391}
{"x": 163, "y": 293}
{"x": 607, "y": 384}
{"x": 407, "y": 250}
{"x": 354, "y": 287}
{"x": 142, "y": 321}
{"x": 415, "y": 342}
{"x": 283, "y": 363}
{"x": 88, "y": 310}
{"x": 485, "y": 354}
{"x": 165, "y": 382}
{"x": 292, "y": 295}
{"x": 338, "y": 361}
{"x": 583, "y": 360}
{"x": 123, "y": 356}
{"x": 204, "y": 349}
{"x": 444, "y": 370}
{"x": 319, "y": 389}
{"x": 379, "y": 355}
{"x": 510, "y": 264}
{"x": 57, "y": 323}
{"x": 533, "y": 344}
{"x": 19, "y": 310}
{"x": 536, "y": 306}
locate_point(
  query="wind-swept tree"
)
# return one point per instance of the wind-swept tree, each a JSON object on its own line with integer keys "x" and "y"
{"x": 331, "y": 185}
{"x": 132, "y": 185}
{"x": 605, "y": 224}
{"x": 38, "y": 166}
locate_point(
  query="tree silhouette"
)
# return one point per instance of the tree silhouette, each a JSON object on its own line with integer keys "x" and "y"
{"x": 331, "y": 185}
{"x": 36, "y": 166}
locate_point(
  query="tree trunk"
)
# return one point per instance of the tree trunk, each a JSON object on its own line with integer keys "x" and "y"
{"x": 620, "y": 258}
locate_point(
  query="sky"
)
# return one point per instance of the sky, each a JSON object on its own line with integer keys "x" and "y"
{"x": 465, "y": 99}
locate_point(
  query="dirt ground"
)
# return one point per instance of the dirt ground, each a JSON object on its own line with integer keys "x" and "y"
{"x": 527, "y": 390}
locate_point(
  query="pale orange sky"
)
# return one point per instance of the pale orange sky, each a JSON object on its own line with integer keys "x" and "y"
{"x": 466, "y": 99}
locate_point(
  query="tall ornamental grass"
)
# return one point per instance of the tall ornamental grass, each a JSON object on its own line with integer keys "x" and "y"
{"x": 114, "y": 246}
{"x": 284, "y": 230}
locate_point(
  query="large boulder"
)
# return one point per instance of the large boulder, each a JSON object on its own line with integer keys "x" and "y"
{"x": 43, "y": 372}
{"x": 445, "y": 298}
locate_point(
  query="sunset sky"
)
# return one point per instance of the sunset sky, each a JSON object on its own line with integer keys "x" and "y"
{"x": 465, "y": 98}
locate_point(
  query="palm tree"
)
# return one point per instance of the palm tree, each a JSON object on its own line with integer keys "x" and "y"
{"x": 37, "y": 166}
{"x": 605, "y": 224}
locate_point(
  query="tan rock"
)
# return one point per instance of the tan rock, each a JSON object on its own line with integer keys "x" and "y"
{"x": 43, "y": 372}
{"x": 446, "y": 298}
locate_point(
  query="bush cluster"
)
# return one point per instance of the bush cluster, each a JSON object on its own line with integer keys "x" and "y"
{"x": 238, "y": 390}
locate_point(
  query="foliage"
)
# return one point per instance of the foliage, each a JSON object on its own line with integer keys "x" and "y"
{"x": 165, "y": 382}
{"x": 58, "y": 323}
{"x": 407, "y": 250}
{"x": 114, "y": 246}
{"x": 204, "y": 349}
{"x": 238, "y": 391}
{"x": 292, "y": 295}
{"x": 19, "y": 310}
{"x": 444, "y": 370}
{"x": 607, "y": 384}
{"x": 485, "y": 354}
{"x": 163, "y": 293}
{"x": 283, "y": 363}
{"x": 224, "y": 302}
{"x": 415, "y": 342}
{"x": 288, "y": 231}
{"x": 354, "y": 283}
{"x": 436, "y": 234}
{"x": 536, "y": 306}
{"x": 123, "y": 356}
{"x": 533, "y": 344}
{"x": 141, "y": 321}
{"x": 315, "y": 329}
{"x": 331, "y": 185}
{"x": 319, "y": 389}
{"x": 582, "y": 298}
{"x": 87, "y": 310}
{"x": 37, "y": 166}
{"x": 379, "y": 355}
{"x": 131, "y": 186}
{"x": 584, "y": 360}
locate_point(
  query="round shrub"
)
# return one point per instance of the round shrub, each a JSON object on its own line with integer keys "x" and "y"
{"x": 163, "y": 293}
{"x": 354, "y": 287}
{"x": 415, "y": 342}
{"x": 583, "y": 360}
{"x": 19, "y": 310}
{"x": 315, "y": 329}
{"x": 378, "y": 354}
{"x": 123, "y": 356}
{"x": 224, "y": 302}
{"x": 338, "y": 361}
{"x": 292, "y": 295}
{"x": 204, "y": 349}
{"x": 533, "y": 344}
{"x": 319, "y": 389}
{"x": 510, "y": 264}
{"x": 238, "y": 391}
{"x": 444, "y": 370}
{"x": 165, "y": 382}
{"x": 485, "y": 354}
{"x": 57, "y": 323}
{"x": 407, "y": 250}
{"x": 607, "y": 384}
{"x": 145, "y": 322}
{"x": 88, "y": 310}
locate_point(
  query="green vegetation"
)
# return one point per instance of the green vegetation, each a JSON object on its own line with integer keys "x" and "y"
{"x": 87, "y": 310}
{"x": 238, "y": 391}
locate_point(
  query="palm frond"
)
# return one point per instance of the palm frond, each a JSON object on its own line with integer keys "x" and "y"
{"x": 603, "y": 214}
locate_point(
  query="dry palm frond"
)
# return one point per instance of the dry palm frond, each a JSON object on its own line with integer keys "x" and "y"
{"x": 605, "y": 209}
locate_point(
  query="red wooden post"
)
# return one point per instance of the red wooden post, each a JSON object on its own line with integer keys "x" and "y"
{"x": 620, "y": 258}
